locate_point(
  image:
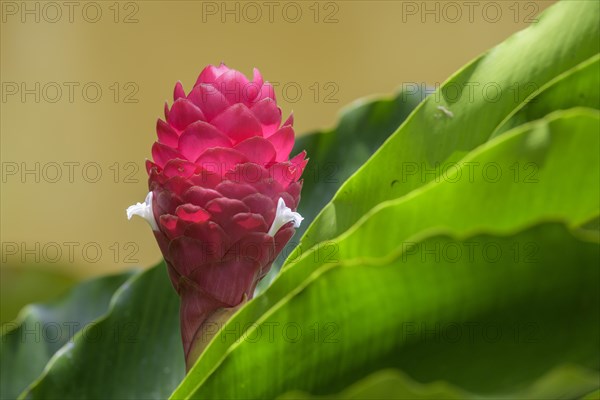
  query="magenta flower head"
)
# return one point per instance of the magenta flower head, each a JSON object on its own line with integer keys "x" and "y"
{"x": 223, "y": 193}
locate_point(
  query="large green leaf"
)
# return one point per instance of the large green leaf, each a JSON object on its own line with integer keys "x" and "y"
{"x": 561, "y": 147}
{"x": 490, "y": 326}
{"x": 464, "y": 112}
{"x": 526, "y": 175}
{"x": 27, "y": 344}
{"x": 134, "y": 351}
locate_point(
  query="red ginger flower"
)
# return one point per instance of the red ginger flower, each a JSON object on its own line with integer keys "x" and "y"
{"x": 223, "y": 193}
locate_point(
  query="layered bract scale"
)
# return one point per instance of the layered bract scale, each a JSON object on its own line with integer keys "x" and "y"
{"x": 223, "y": 190}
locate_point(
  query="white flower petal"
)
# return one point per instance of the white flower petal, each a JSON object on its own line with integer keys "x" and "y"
{"x": 143, "y": 210}
{"x": 284, "y": 215}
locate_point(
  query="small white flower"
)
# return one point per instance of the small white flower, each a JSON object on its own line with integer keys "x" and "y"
{"x": 143, "y": 210}
{"x": 284, "y": 215}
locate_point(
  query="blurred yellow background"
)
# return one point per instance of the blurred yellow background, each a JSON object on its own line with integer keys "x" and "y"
{"x": 83, "y": 84}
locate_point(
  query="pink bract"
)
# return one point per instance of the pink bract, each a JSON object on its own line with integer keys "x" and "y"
{"x": 221, "y": 165}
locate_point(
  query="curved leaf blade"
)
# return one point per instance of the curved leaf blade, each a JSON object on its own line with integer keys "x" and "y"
{"x": 41, "y": 330}
{"x": 458, "y": 118}
{"x": 134, "y": 351}
{"x": 524, "y": 176}
{"x": 416, "y": 320}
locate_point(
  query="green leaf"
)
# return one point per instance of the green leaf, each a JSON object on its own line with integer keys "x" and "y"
{"x": 560, "y": 147}
{"x": 578, "y": 87}
{"x": 134, "y": 351}
{"x": 27, "y": 344}
{"x": 524, "y": 176}
{"x": 488, "y": 324}
{"x": 463, "y": 113}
